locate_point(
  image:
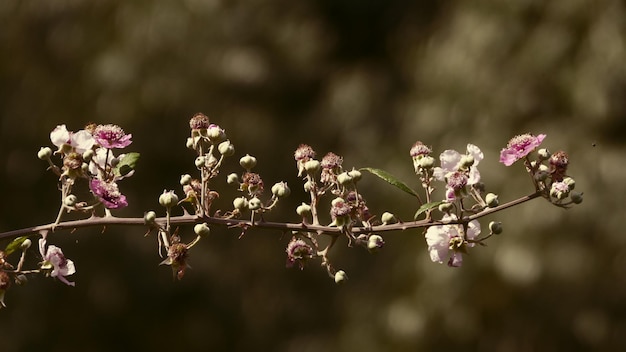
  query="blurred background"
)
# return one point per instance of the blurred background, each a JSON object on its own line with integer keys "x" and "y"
{"x": 364, "y": 79}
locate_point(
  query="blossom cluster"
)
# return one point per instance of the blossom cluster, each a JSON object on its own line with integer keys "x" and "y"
{"x": 448, "y": 219}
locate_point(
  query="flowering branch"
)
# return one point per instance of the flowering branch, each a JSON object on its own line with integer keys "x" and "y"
{"x": 450, "y": 223}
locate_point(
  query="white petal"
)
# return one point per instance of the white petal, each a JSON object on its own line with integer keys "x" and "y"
{"x": 476, "y": 153}
{"x": 450, "y": 160}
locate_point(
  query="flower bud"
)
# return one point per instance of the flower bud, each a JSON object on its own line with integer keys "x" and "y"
{"x": 240, "y": 203}
{"x": 355, "y": 174}
{"x": 226, "y": 148}
{"x": 495, "y": 227}
{"x": 149, "y": 217}
{"x": 202, "y": 230}
{"x": 344, "y": 178}
{"x": 388, "y": 218}
{"x": 303, "y": 209}
{"x": 543, "y": 154}
{"x": 312, "y": 166}
{"x": 254, "y": 203}
{"x": 88, "y": 155}
{"x": 569, "y": 182}
{"x": 426, "y": 162}
{"x": 308, "y": 185}
{"x": 280, "y": 190}
{"x": 232, "y": 179}
{"x": 247, "y": 162}
{"x": 576, "y": 197}
{"x": 200, "y": 162}
{"x": 168, "y": 199}
{"x": 491, "y": 200}
{"x": 44, "y": 153}
{"x": 340, "y": 277}
{"x": 374, "y": 243}
{"x": 467, "y": 161}
{"x": 26, "y": 244}
{"x": 189, "y": 143}
{"x": 215, "y": 134}
{"x": 70, "y": 200}
{"x": 185, "y": 179}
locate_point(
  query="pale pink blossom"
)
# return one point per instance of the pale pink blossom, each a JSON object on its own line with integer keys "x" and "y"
{"x": 112, "y": 136}
{"x": 446, "y": 242}
{"x": 54, "y": 259}
{"x": 81, "y": 141}
{"x": 451, "y": 161}
{"x": 108, "y": 193}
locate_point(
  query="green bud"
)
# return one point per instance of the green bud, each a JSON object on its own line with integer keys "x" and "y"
{"x": 495, "y": 227}
{"x": 44, "y": 153}
{"x": 254, "y": 203}
{"x": 200, "y": 162}
{"x": 312, "y": 166}
{"x": 544, "y": 154}
{"x": 26, "y": 244}
{"x": 226, "y": 148}
{"x": 303, "y": 209}
{"x": 426, "y": 162}
{"x": 185, "y": 179}
{"x": 168, "y": 199}
{"x": 202, "y": 230}
{"x": 232, "y": 179}
{"x": 247, "y": 162}
{"x": 340, "y": 277}
{"x": 388, "y": 218}
{"x": 576, "y": 197}
{"x": 569, "y": 182}
{"x": 280, "y": 190}
{"x": 240, "y": 203}
{"x": 149, "y": 217}
{"x": 88, "y": 155}
{"x": 491, "y": 200}
{"x": 70, "y": 200}
{"x": 374, "y": 243}
{"x": 344, "y": 178}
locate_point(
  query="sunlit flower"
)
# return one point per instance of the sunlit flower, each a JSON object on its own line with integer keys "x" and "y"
{"x": 452, "y": 161}
{"x": 446, "y": 242}
{"x": 112, "y": 136}
{"x": 108, "y": 193}
{"x": 520, "y": 146}
{"x": 54, "y": 260}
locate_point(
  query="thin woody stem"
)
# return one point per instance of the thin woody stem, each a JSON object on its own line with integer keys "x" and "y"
{"x": 258, "y": 224}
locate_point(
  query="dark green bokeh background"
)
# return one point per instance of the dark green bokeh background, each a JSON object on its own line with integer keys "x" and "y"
{"x": 364, "y": 79}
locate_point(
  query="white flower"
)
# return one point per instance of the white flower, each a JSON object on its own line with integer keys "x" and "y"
{"x": 54, "y": 259}
{"x": 446, "y": 242}
{"x": 80, "y": 141}
{"x": 451, "y": 161}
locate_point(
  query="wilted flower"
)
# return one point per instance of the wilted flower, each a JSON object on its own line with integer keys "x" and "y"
{"x": 112, "y": 136}
{"x": 303, "y": 154}
{"x": 446, "y": 242}
{"x": 108, "y": 193}
{"x": 298, "y": 252}
{"x": 54, "y": 260}
{"x": 520, "y": 146}
{"x": 558, "y": 165}
{"x": 177, "y": 256}
{"x": 199, "y": 121}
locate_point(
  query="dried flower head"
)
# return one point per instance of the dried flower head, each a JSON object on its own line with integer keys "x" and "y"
{"x": 199, "y": 121}
{"x": 558, "y": 165}
{"x": 419, "y": 149}
{"x": 298, "y": 252}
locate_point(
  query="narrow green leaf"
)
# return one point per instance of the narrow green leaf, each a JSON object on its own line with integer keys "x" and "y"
{"x": 15, "y": 245}
{"x": 426, "y": 207}
{"x": 126, "y": 164}
{"x": 389, "y": 178}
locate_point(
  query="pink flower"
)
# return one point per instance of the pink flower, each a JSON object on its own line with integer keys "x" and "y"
{"x": 80, "y": 141}
{"x": 520, "y": 146}
{"x": 108, "y": 193}
{"x": 112, "y": 136}
{"x": 446, "y": 242}
{"x": 54, "y": 259}
{"x": 298, "y": 252}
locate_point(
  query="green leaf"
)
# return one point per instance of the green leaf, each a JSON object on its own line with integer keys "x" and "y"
{"x": 126, "y": 164}
{"x": 426, "y": 207}
{"x": 390, "y": 179}
{"x": 15, "y": 245}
